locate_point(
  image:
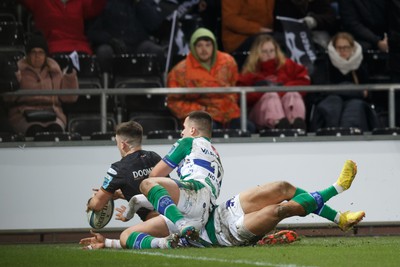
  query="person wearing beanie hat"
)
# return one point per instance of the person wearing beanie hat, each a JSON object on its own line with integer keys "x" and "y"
{"x": 37, "y": 40}
{"x": 40, "y": 113}
{"x": 205, "y": 66}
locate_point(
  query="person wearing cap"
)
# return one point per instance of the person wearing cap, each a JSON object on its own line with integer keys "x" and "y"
{"x": 204, "y": 67}
{"x": 40, "y": 113}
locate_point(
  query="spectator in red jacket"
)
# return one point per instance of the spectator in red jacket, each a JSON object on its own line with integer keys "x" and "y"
{"x": 62, "y": 22}
{"x": 267, "y": 65}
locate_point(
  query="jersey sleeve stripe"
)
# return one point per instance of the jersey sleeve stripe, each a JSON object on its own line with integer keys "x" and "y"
{"x": 204, "y": 163}
{"x": 170, "y": 163}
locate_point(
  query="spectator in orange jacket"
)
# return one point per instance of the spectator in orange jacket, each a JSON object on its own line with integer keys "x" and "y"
{"x": 242, "y": 20}
{"x": 267, "y": 65}
{"x": 205, "y": 66}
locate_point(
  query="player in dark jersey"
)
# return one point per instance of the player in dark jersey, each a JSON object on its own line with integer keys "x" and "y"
{"x": 124, "y": 177}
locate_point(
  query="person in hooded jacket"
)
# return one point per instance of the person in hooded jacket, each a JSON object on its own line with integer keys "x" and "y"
{"x": 204, "y": 67}
{"x": 40, "y": 113}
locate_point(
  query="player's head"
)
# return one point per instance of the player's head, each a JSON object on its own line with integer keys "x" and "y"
{"x": 197, "y": 123}
{"x": 128, "y": 136}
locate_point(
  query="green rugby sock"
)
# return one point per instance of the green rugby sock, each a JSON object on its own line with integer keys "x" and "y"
{"x": 299, "y": 191}
{"x": 307, "y": 202}
{"x": 328, "y": 213}
{"x": 312, "y": 202}
{"x": 138, "y": 240}
{"x": 328, "y": 193}
{"x": 162, "y": 202}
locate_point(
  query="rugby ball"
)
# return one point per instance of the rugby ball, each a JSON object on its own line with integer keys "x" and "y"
{"x": 99, "y": 219}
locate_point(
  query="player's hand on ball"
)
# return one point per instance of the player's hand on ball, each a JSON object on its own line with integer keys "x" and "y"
{"x": 118, "y": 194}
{"x": 97, "y": 241}
{"x": 95, "y": 190}
{"x": 121, "y": 214}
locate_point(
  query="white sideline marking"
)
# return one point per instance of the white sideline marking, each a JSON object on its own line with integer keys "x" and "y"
{"x": 255, "y": 263}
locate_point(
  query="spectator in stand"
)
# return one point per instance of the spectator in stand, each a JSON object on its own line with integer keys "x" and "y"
{"x": 204, "y": 67}
{"x": 126, "y": 26}
{"x": 318, "y": 15}
{"x": 62, "y": 22}
{"x": 393, "y": 18}
{"x": 268, "y": 66}
{"x": 31, "y": 114}
{"x": 366, "y": 21}
{"x": 345, "y": 108}
{"x": 243, "y": 20}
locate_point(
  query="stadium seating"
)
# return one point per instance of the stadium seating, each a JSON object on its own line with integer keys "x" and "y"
{"x": 153, "y": 122}
{"x": 12, "y": 36}
{"x": 56, "y": 137}
{"x": 8, "y": 67}
{"x": 103, "y": 136}
{"x": 338, "y": 131}
{"x": 282, "y": 132}
{"x": 228, "y": 133}
{"x": 164, "y": 134}
{"x": 11, "y": 137}
{"x": 138, "y": 71}
{"x": 8, "y": 10}
{"x": 87, "y": 124}
{"x": 386, "y": 131}
{"x": 84, "y": 115}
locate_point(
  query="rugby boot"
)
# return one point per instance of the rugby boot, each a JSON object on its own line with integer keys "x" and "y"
{"x": 347, "y": 175}
{"x": 348, "y": 219}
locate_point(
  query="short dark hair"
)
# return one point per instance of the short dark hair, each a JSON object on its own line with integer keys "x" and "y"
{"x": 203, "y": 120}
{"x": 204, "y": 38}
{"x": 131, "y": 131}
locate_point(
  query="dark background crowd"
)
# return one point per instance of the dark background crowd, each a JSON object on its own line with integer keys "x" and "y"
{"x": 127, "y": 44}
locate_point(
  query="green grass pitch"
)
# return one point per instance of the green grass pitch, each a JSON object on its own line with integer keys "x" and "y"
{"x": 307, "y": 252}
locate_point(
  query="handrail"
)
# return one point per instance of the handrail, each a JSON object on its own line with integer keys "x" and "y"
{"x": 391, "y": 88}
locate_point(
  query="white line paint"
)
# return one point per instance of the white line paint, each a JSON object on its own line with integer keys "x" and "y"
{"x": 255, "y": 263}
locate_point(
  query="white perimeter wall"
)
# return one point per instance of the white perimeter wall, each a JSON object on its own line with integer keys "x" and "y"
{"x": 48, "y": 187}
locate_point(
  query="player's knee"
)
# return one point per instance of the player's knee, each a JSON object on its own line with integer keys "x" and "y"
{"x": 286, "y": 188}
{"x": 124, "y": 237}
{"x": 146, "y": 185}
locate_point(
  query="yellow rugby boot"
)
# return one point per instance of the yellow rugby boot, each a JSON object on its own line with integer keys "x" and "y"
{"x": 347, "y": 175}
{"x": 348, "y": 219}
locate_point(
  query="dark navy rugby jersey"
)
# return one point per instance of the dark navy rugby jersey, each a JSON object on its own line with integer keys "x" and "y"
{"x": 129, "y": 172}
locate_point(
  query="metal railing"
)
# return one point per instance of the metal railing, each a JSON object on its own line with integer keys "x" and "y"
{"x": 242, "y": 91}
